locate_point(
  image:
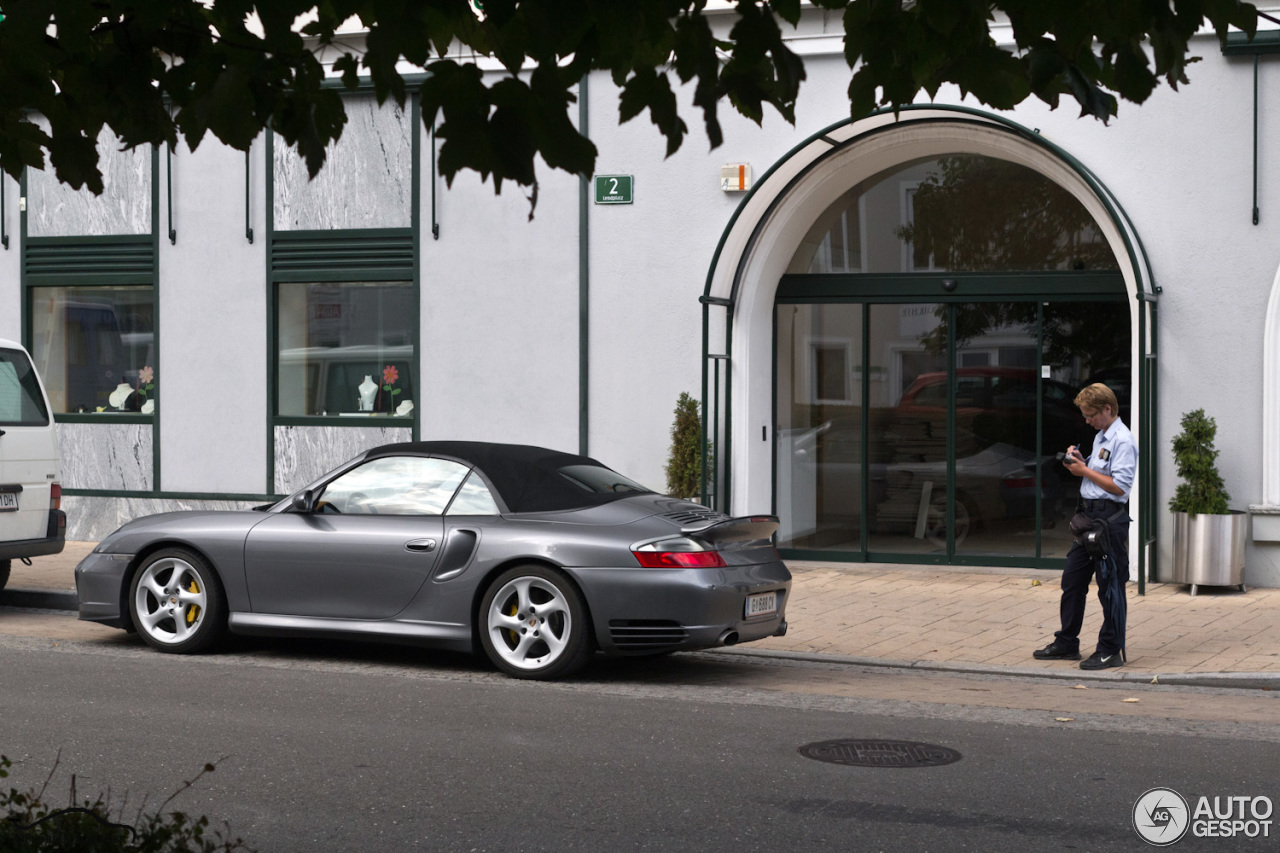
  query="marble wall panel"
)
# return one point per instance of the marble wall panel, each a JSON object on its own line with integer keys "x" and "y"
{"x": 56, "y": 210}
{"x": 304, "y": 453}
{"x": 90, "y": 519}
{"x": 366, "y": 181}
{"x": 106, "y": 456}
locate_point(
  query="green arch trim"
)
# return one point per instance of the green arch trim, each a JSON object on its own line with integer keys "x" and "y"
{"x": 1133, "y": 242}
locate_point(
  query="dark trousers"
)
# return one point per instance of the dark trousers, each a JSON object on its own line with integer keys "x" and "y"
{"x": 1080, "y": 569}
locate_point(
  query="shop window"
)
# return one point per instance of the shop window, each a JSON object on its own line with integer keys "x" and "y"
{"x": 345, "y": 349}
{"x": 95, "y": 348}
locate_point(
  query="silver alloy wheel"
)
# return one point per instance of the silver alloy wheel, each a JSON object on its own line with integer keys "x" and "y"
{"x": 171, "y": 600}
{"x": 529, "y": 623}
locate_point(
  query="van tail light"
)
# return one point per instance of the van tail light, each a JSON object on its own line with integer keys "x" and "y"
{"x": 55, "y": 496}
{"x": 677, "y": 553}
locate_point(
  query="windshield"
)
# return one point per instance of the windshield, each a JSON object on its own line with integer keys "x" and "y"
{"x": 600, "y": 480}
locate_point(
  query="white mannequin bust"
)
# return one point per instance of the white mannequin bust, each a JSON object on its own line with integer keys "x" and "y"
{"x": 367, "y": 389}
{"x": 121, "y": 395}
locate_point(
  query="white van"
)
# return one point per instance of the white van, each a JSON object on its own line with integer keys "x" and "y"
{"x": 32, "y": 522}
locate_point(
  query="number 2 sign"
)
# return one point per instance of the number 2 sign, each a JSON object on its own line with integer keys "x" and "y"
{"x": 614, "y": 189}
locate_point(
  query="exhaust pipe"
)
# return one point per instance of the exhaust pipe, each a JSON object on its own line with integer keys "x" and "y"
{"x": 728, "y": 638}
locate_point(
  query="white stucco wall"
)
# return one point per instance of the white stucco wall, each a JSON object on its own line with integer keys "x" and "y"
{"x": 213, "y": 324}
{"x": 500, "y": 312}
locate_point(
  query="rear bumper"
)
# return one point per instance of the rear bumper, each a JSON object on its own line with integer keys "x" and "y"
{"x": 642, "y": 611}
{"x": 52, "y": 542}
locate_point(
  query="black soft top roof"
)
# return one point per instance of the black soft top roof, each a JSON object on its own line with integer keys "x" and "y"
{"x": 527, "y": 478}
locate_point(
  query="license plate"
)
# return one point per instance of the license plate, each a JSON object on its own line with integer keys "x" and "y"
{"x": 8, "y": 501}
{"x": 762, "y": 604}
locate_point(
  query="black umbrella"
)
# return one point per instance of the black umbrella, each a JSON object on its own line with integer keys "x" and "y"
{"x": 1111, "y": 587}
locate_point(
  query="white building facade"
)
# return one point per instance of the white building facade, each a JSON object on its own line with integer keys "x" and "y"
{"x": 886, "y": 325}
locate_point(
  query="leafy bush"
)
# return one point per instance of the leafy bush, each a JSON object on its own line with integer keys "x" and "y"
{"x": 684, "y": 465}
{"x": 1194, "y": 455}
{"x": 29, "y": 825}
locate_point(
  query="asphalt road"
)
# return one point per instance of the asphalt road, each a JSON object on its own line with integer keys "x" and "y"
{"x": 327, "y": 746}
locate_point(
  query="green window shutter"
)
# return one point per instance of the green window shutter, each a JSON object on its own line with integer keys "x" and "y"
{"x": 89, "y": 260}
{"x": 349, "y": 255}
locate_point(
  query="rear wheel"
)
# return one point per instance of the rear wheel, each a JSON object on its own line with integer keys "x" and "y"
{"x": 177, "y": 602}
{"x": 4, "y": 573}
{"x": 534, "y": 624}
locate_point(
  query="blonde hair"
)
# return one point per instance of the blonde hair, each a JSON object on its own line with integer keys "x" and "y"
{"x": 1097, "y": 396}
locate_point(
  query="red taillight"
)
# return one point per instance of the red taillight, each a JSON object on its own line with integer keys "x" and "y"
{"x": 679, "y": 559}
{"x": 55, "y": 496}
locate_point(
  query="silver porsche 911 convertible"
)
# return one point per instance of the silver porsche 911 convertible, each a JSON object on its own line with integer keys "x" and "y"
{"x": 535, "y": 556}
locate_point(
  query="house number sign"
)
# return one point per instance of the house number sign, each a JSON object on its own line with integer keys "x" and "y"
{"x": 614, "y": 189}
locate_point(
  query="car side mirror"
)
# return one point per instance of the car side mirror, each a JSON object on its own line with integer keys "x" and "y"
{"x": 304, "y": 501}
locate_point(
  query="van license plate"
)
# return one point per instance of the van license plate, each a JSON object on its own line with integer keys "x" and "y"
{"x": 8, "y": 501}
{"x": 762, "y": 604}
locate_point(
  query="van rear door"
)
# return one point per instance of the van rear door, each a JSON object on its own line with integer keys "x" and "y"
{"x": 29, "y": 463}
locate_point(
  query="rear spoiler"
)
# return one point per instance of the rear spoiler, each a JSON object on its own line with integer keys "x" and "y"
{"x": 754, "y": 528}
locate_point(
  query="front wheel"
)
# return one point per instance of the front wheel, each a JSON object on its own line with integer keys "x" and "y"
{"x": 177, "y": 602}
{"x": 534, "y": 624}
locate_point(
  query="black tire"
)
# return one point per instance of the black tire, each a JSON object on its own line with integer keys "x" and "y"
{"x": 534, "y": 624}
{"x": 4, "y": 572}
{"x": 176, "y": 602}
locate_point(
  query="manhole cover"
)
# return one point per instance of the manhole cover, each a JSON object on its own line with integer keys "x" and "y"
{"x": 879, "y": 753}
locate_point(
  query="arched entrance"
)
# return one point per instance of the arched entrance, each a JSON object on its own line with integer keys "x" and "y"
{"x": 903, "y": 307}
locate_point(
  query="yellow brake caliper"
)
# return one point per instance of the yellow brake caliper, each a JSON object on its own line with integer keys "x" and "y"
{"x": 515, "y": 638}
{"x": 193, "y": 610}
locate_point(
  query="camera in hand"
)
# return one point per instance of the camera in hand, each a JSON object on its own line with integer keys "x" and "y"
{"x": 1061, "y": 456}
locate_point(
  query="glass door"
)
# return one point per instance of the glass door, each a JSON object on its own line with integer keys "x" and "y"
{"x": 927, "y": 430}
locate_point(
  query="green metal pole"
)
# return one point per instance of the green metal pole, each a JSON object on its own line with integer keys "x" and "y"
{"x": 1255, "y": 139}
{"x": 248, "y": 209}
{"x": 584, "y": 282}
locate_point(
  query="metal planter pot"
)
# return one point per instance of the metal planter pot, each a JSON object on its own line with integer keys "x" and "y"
{"x": 1208, "y": 550}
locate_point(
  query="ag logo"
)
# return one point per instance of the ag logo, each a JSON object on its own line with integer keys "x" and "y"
{"x": 1161, "y": 816}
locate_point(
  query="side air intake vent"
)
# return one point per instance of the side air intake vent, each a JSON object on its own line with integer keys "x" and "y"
{"x": 693, "y": 516}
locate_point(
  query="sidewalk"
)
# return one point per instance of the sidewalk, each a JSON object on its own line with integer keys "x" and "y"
{"x": 983, "y": 620}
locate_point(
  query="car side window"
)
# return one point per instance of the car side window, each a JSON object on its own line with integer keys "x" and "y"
{"x": 394, "y": 485}
{"x": 473, "y": 498}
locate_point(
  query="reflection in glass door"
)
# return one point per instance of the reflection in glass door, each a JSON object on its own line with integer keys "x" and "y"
{"x": 996, "y": 452}
{"x": 819, "y": 428}
{"x": 908, "y": 429}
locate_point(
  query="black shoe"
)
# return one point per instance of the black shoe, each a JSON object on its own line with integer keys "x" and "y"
{"x": 1098, "y": 660}
{"x": 1056, "y": 651}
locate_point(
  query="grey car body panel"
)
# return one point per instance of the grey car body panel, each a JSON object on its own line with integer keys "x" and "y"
{"x": 287, "y": 572}
{"x": 315, "y": 564}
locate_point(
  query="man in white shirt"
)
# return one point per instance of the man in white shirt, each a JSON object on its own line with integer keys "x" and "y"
{"x": 1106, "y": 479}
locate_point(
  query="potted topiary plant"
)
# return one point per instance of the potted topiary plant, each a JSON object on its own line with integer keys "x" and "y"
{"x": 684, "y": 464}
{"x": 1208, "y": 537}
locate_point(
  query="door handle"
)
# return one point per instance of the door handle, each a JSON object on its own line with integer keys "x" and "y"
{"x": 420, "y": 545}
